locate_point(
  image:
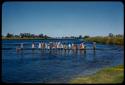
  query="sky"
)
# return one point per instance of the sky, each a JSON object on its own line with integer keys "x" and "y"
{"x": 57, "y": 19}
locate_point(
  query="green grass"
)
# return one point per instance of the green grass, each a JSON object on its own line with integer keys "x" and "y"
{"x": 106, "y": 40}
{"x": 107, "y": 75}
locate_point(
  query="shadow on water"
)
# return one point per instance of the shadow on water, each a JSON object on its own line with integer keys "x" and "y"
{"x": 33, "y": 51}
{"x": 94, "y": 55}
{"x": 83, "y": 53}
{"x": 48, "y": 54}
{"x": 20, "y": 56}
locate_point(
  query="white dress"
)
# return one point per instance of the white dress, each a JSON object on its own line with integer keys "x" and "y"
{"x": 21, "y": 45}
{"x": 57, "y": 45}
{"x": 45, "y": 45}
{"x": 48, "y": 46}
{"x": 39, "y": 45}
{"x": 69, "y": 46}
{"x": 33, "y": 46}
{"x": 82, "y": 45}
{"x": 61, "y": 45}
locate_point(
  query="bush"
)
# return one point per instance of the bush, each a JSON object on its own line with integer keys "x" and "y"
{"x": 106, "y": 40}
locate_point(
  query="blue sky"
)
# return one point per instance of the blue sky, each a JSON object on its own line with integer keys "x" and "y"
{"x": 59, "y": 19}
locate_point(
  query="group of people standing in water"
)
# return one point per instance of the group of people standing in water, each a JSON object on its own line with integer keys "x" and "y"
{"x": 58, "y": 45}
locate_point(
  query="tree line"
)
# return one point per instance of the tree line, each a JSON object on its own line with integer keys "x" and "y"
{"x": 26, "y": 35}
{"x": 29, "y": 35}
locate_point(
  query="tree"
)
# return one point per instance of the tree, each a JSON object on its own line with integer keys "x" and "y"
{"x": 45, "y": 36}
{"x": 9, "y": 35}
{"x": 41, "y": 35}
{"x": 16, "y": 36}
{"x": 119, "y": 35}
{"x": 21, "y": 35}
{"x": 86, "y": 36}
{"x": 111, "y": 35}
{"x": 80, "y": 36}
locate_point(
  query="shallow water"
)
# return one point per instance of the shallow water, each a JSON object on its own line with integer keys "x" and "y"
{"x": 56, "y": 66}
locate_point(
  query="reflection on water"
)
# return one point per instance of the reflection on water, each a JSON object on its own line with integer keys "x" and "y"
{"x": 57, "y": 54}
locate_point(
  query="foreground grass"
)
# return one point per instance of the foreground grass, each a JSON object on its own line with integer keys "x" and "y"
{"x": 108, "y": 75}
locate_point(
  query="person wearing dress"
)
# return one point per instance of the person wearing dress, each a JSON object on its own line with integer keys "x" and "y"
{"x": 45, "y": 45}
{"x": 61, "y": 46}
{"x": 58, "y": 45}
{"x": 72, "y": 46}
{"x": 21, "y": 46}
{"x": 64, "y": 46}
{"x": 42, "y": 45}
{"x": 48, "y": 46}
{"x": 81, "y": 46}
{"x": 69, "y": 46}
{"x": 33, "y": 45}
{"x": 39, "y": 45}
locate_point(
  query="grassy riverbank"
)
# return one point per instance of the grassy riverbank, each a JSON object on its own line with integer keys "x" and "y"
{"x": 107, "y": 75}
{"x": 106, "y": 40}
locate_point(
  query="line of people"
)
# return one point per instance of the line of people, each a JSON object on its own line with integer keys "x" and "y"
{"x": 59, "y": 45}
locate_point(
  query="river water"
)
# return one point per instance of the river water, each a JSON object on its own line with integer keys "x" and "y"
{"x": 56, "y": 66}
